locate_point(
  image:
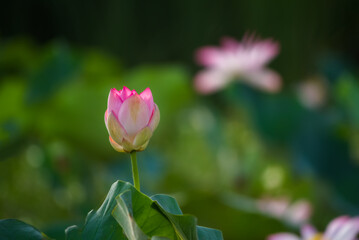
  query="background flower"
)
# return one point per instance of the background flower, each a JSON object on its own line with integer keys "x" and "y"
{"x": 297, "y": 212}
{"x": 243, "y": 60}
{"x": 341, "y": 228}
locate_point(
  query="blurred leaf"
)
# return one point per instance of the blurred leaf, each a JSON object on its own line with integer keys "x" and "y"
{"x": 81, "y": 107}
{"x": 17, "y": 57}
{"x": 347, "y": 94}
{"x": 15, "y": 229}
{"x": 275, "y": 116}
{"x": 55, "y": 71}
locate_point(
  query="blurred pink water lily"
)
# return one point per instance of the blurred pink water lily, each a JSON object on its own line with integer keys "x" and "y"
{"x": 297, "y": 212}
{"x": 130, "y": 119}
{"x": 243, "y": 60}
{"x": 341, "y": 228}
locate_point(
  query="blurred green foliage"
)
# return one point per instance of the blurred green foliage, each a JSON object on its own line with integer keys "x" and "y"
{"x": 216, "y": 154}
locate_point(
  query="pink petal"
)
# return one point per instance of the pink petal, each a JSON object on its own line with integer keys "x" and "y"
{"x": 283, "y": 236}
{"x": 125, "y": 93}
{"x": 147, "y": 97}
{"x": 348, "y": 231}
{"x": 208, "y": 56}
{"x": 209, "y": 81}
{"x": 335, "y": 225}
{"x": 229, "y": 44}
{"x": 134, "y": 114}
{"x": 114, "y": 101}
{"x": 256, "y": 54}
{"x": 238, "y": 57}
{"x": 308, "y": 231}
{"x": 264, "y": 79}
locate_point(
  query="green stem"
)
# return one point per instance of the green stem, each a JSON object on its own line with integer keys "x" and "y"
{"x": 136, "y": 178}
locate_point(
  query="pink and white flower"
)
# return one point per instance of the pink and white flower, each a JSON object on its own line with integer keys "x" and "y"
{"x": 297, "y": 212}
{"x": 130, "y": 119}
{"x": 243, "y": 60}
{"x": 341, "y": 228}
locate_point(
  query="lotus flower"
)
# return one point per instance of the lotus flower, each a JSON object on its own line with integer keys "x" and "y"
{"x": 244, "y": 60}
{"x": 341, "y": 228}
{"x": 130, "y": 119}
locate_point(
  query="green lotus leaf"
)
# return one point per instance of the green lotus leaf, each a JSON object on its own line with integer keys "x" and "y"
{"x": 127, "y": 214}
{"x": 14, "y": 229}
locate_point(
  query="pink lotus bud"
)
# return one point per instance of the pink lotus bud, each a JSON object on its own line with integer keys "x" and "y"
{"x": 130, "y": 119}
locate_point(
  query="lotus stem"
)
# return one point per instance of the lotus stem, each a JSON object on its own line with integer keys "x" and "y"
{"x": 135, "y": 175}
